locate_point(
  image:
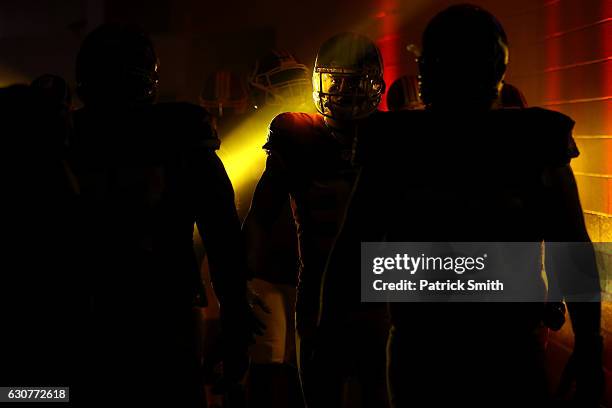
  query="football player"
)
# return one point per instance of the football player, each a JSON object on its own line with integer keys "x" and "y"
{"x": 147, "y": 172}
{"x": 309, "y": 161}
{"x": 462, "y": 171}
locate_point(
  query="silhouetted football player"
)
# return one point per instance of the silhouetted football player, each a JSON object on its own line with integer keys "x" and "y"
{"x": 277, "y": 83}
{"x": 147, "y": 173}
{"x": 460, "y": 171}
{"x": 41, "y": 297}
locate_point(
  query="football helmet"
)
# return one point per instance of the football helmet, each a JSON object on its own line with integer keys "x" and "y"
{"x": 347, "y": 79}
{"x": 463, "y": 60}
{"x": 224, "y": 94}
{"x": 55, "y": 90}
{"x": 278, "y": 79}
{"x": 403, "y": 94}
{"x": 117, "y": 65}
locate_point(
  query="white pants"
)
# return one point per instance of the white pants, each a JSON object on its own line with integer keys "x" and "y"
{"x": 277, "y": 344}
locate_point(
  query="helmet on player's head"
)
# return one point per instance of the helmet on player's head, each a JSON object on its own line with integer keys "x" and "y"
{"x": 224, "y": 94}
{"x": 117, "y": 65}
{"x": 403, "y": 94}
{"x": 54, "y": 89}
{"x": 278, "y": 79}
{"x": 347, "y": 79}
{"x": 464, "y": 59}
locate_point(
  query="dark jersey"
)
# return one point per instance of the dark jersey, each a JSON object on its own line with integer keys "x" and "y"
{"x": 492, "y": 176}
{"x": 319, "y": 179}
{"x": 41, "y": 292}
{"x": 427, "y": 177}
{"x": 313, "y": 166}
{"x": 146, "y": 176}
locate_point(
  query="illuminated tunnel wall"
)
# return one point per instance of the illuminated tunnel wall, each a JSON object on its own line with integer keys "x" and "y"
{"x": 562, "y": 59}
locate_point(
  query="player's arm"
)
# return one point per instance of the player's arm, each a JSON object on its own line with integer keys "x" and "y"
{"x": 210, "y": 198}
{"x": 573, "y": 265}
{"x": 269, "y": 200}
{"x": 219, "y": 226}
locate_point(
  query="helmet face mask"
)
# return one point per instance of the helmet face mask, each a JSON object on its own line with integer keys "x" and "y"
{"x": 224, "y": 94}
{"x": 279, "y": 80}
{"x": 144, "y": 82}
{"x": 283, "y": 87}
{"x": 344, "y": 95}
{"x": 117, "y": 66}
{"x": 347, "y": 81}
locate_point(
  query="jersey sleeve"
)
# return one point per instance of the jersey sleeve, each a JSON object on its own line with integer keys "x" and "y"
{"x": 279, "y": 134}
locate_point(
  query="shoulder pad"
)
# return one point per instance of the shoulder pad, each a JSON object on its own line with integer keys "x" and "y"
{"x": 185, "y": 124}
{"x": 291, "y": 129}
{"x": 552, "y": 132}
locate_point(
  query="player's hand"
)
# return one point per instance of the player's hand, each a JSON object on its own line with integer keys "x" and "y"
{"x": 241, "y": 324}
{"x": 554, "y": 315}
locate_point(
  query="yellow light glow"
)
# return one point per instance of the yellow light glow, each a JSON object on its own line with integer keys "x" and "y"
{"x": 241, "y": 149}
{"x": 10, "y": 76}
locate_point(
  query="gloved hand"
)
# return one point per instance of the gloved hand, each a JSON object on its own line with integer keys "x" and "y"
{"x": 585, "y": 369}
{"x": 554, "y": 315}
